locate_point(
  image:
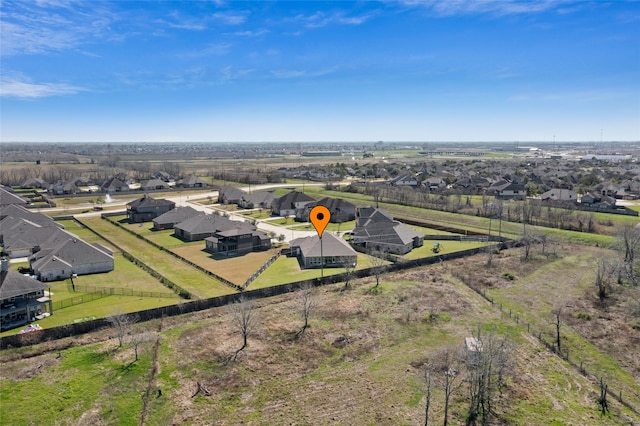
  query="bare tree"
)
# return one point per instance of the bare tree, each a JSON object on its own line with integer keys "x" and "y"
{"x": 487, "y": 363}
{"x": 602, "y": 399}
{"x": 629, "y": 244}
{"x": 377, "y": 260}
{"x": 244, "y": 319}
{"x": 122, "y": 323}
{"x": 605, "y": 271}
{"x": 558, "y": 322}
{"x": 349, "y": 270}
{"x": 447, "y": 366}
{"x": 307, "y": 303}
{"x": 427, "y": 379}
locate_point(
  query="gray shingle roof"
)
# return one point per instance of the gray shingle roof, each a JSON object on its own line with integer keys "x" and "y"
{"x": 331, "y": 246}
{"x": 13, "y": 284}
{"x": 177, "y": 215}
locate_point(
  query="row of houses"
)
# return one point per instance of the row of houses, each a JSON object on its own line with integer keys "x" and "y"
{"x": 294, "y": 203}
{"x": 114, "y": 184}
{"x": 221, "y": 235}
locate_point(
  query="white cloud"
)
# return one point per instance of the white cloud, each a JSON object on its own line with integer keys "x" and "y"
{"x": 321, "y": 19}
{"x": 46, "y": 26}
{"x": 303, "y": 73}
{"x": 494, "y": 7}
{"x": 10, "y": 87}
{"x": 230, "y": 18}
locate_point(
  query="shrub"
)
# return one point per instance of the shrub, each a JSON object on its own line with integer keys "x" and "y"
{"x": 582, "y": 315}
{"x": 508, "y": 276}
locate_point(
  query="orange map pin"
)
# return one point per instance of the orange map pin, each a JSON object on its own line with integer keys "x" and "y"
{"x": 319, "y": 217}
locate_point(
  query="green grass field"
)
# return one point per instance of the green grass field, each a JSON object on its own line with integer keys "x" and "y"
{"x": 191, "y": 279}
{"x": 445, "y": 247}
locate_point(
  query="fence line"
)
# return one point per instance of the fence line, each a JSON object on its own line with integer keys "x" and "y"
{"x": 256, "y": 274}
{"x": 77, "y": 300}
{"x": 540, "y": 335}
{"x": 119, "y": 291}
{"x": 183, "y": 259}
{"x": 164, "y": 280}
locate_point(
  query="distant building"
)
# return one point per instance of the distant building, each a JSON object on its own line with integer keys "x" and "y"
{"x": 192, "y": 181}
{"x": 508, "y": 190}
{"x": 230, "y": 195}
{"x": 114, "y": 185}
{"x": 289, "y": 203}
{"x": 154, "y": 185}
{"x": 257, "y": 200}
{"x": 146, "y": 209}
{"x": 404, "y": 180}
{"x": 560, "y": 194}
{"x": 341, "y": 210}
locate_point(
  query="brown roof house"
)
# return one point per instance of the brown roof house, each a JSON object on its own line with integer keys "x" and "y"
{"x": 22, "y": 299}
{"x": 146, "y": 209}
{"x": 230, "y": 195}
{"x": 377, "y": 230}
{"x": 330, "y": 251}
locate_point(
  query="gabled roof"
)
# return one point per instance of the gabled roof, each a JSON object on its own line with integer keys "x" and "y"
{"x": 203, "y": 224}
{"x": 260, "y": 197}
{"x": 154, "y": 183}
{"x": 13, "y": 284}
{"x": 73, "y": 251}
{"x": 192, "y": 180}
{"x": 7, "y": 197}
{"x": 231, "y": 193}
{"x": 21, "y": 234}
{"x": 146, "y": 202}
{"x": 20, "y": 212}
{"x": 34, "y": 183}
{"x": 177, "y": 215}
{"x": 114, "y": 183}
{"x": 331, "y": 246}
{"x": 377, "y": 226}
{"x": 368, "y": 215}
{"x": 288, "y": 201}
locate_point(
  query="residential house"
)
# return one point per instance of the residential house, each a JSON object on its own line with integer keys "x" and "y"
{"x": 230, "y": 195}
{"x": 243, "y": 238}
{"x": 7, "y": 197}
{"x": 506, "y": 190}
{"x": 22, "y": 299}
{"x": 155, "y": 185}
{"x": 404, "y": 180}
{"x": 21, "y": 238}
{"x": 34, "y": 183}
{"x": 434, "y": 183}
{"x": 377, "y": 230}
{"x": 257, "y": 200}
{"x": 560, "y": 194}
{"x": 163, "y": 176}
{"x": 204, "y": 226}
{"x": 192, "y": 181}
{"x": 146, "y": 209}
{"x": 114, "y": 185}
{"x": 329, "y": 251}
{"x": 341, "y": 210}
{"x": 70, "y": 256}
{"x": 594, "y": 199}
{"x": 289, "y": 203}
{"x": 173, "y": 217}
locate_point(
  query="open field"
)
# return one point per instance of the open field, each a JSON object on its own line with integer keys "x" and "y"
{"x": 445, "y": 247}
{"x": 361, "y": 362}
{"x": 601, "y": 335}
{"x": 187, "y": 277}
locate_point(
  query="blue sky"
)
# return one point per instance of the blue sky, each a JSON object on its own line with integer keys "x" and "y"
{"x": 421, "y": 71}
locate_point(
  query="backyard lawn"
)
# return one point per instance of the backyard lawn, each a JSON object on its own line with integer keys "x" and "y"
{"x": 445, "y": 247}
{"x": 187, "y": 277}
{"x": 287, "y": 270}
{"x": 236, "y": 269}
